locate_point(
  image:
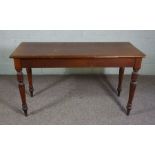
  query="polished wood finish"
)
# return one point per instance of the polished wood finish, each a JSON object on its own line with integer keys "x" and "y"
{"x": 76, "y": 54}
{"x": 21, "y": 85}
{"x": 120, "y": 80}
{"x": 76, "y": 50}
{"x": 76, "y": 62}
{"x": 133, "y": 84}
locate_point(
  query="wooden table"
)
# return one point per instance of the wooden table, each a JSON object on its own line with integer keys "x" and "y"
{"x": 76, "y": 54}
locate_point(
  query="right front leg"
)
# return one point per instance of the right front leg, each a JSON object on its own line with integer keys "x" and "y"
{"x": 22, "y": 89}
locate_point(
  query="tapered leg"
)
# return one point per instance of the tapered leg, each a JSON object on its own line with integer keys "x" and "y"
{"x": 121, "y": 74}
{"x": 29, "y": 76}
{"x": 22, "y": 90}
{"x": 133, "y": 84}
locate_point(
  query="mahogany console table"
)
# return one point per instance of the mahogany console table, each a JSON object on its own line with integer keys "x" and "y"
{"x": 76, "y": 54}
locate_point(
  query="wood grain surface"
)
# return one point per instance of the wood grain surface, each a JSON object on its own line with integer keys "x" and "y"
{"x": 76, "y": 50}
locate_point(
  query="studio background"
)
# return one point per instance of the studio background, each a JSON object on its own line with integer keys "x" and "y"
{"x": 143, "y": 40}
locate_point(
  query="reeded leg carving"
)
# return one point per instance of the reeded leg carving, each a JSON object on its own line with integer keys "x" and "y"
{"x": 133, "y": 84}
{"x": 22, "y": 90}
{"x": 121, "y": 74}
{"x": 29, "y": 76}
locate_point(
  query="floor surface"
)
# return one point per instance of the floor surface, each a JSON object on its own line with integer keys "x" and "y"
{"x": 77, "y": 99}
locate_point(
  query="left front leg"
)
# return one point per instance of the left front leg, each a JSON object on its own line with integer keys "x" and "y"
{"x": 21, "y": 84}
{"x": 21, "y": 87}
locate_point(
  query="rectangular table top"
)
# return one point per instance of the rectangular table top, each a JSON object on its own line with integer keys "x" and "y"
{"x": 76, "y": 50}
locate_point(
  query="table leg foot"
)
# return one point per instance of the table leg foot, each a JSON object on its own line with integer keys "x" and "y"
{"x": 118, "y": 92}
{"x": 25, "y": 109}
{"x": 128, "y": 111}
{"x": 31, "y": 92}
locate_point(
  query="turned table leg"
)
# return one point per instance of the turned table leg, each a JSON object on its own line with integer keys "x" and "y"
{"x": 21, "y": 86}
{"x": 133, "y": 84}
{"x": 121, "y": 74}
{"x": 29, "y": 76}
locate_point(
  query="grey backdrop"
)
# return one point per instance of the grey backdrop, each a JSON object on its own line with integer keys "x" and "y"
{"x": 144, "y": 40}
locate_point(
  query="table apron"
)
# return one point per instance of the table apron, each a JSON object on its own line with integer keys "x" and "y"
{"x": 77, "y": 62}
